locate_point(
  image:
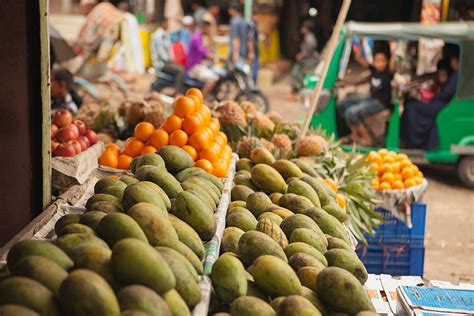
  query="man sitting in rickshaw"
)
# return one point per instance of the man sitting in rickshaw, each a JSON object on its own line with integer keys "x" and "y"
{"x": 418, "y": 122}
{"x": 355, "y": 109}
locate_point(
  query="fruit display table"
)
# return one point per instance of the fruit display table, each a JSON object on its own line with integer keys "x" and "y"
{"x": 74, "y": 201}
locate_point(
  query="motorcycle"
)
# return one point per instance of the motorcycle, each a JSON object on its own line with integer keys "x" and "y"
{"x": 235, "y": 83}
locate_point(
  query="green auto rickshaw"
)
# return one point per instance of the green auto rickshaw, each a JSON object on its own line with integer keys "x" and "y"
{"x": 455, "y": 122}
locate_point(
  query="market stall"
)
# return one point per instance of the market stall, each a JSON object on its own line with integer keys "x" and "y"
{"x": 177, "y": 208}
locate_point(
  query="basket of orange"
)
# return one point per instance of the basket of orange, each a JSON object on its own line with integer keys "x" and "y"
{"x": 190, "y": 126}
{"x": 394, "y": 171}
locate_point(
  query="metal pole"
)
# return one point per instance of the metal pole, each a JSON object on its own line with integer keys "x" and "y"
{"x": 332, "y": 44}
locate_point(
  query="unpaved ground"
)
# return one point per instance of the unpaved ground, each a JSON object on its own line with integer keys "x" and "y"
{"x": 449, "y": 238}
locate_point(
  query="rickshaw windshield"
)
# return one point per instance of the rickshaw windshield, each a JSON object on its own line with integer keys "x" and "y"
{"x": 460, "y": 33}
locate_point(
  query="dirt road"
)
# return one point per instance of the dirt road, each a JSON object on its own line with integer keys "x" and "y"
{"x": 449, "y": 238}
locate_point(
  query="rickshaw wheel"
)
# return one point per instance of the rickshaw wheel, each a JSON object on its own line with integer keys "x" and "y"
{"x": 466, "y": 171}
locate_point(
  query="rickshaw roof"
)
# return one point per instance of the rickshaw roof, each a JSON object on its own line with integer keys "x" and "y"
{"x": 447, "y": 31}
{"x": 461, "y": 33}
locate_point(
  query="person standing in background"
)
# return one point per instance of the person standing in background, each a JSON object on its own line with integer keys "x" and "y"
{"x": 186, "y": 31}
{"x": 253, "y": 49}
{"x": 306, "y": 59}
{"x": 160, "y": 48}
{"x": 211, "y": 17}
{"x": 198, "y": 13}
{"x": 238, "y": 44}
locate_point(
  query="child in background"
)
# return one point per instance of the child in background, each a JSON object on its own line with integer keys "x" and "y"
{"x": 354, "y": 110}
{"x": 61, "y": 90}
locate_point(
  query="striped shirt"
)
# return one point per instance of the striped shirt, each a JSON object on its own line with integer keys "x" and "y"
{"x": 160, "y": 48}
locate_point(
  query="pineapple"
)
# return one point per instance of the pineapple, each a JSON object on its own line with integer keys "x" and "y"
{"x": 248, "y": 107}
{"x": 156, "y": 118}
{"x": 231, "y": 114}
{"x": 283, "y": 143}
{"x": 262, "y": 122}
{"x": 312, "y": 145}
{"x": 292, "y": 129}
{"x": 275, "y": 117}
{"x": 88, "y": 113}
{"x": 268, "y": 145}
{"x": 246, "y": 145}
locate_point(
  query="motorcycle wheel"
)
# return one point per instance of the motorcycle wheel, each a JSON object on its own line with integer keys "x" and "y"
{"x": 256, "y": 97}
{"x": 225, "y": 89}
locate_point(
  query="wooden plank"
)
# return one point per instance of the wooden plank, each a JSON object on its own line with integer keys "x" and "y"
{"x": 45, "y": 103}
{"x": 32, "y": 227}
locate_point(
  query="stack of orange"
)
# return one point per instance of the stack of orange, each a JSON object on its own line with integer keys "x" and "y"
{"x": 190, "y": 127}
{"x": 393, "y": 171}
{"x": 135, "y": 146}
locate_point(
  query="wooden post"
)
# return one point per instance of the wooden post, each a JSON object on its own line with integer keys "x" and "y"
{"x": 45, "y": 102}
{"x": 332, "y": 44}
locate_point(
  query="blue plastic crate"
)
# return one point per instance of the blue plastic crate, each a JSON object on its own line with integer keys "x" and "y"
{"x": 393, "y": 258}
{"x": 395, "y": 230}
{"x": 394, "y": 248}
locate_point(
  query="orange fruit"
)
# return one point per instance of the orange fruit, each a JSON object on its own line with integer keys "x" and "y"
{"x": 133, "y": 148}
{"x": 159, "y": 138}
{"x": 173, "y": 123}
{"x": 218, "y": 139}
{"x": 375, "y": 183}
{"x": 409, "y": 183}
{"x": 206, "y": 113}
{"x": 183, "y": 106}
{"x": 341, "y": 200}
{"x": 398, "y": 185}
{"x": 197, "y": 102}
{"x": 228, "y": 149}
{"x": 375, "y": 157}
{"x": 124, "y": 162}
{"x": 114, "y": 147}
{"x": 408, "y": 172}
{"x": 199, "y": 140}
{"x": 396, "y": 167}
{"x": 210, "y": 153}
{"x": 214, "y": 125}
{"x": 192, "y": 124}
{"x": 383, "y": 152}
{"x": 144, "y": 130}
{"x": 388, "y": 159}
{"x": 374, "y": 167}
{"x": 401, "y": 157}
{"x": 219, "y": 169}
{"x": 109, "y": 159}
{"x": 191, "y": 151}
{"x": 398, "y": 177}
{"x": 196, "y": 92}
{"x": 147, "y": 150}
{"x": 371, "y": 155}
{"x": 385, "y": 186}
{"x": 405, "y": 163}
{"x": 204, "y": 164}
{"x": 331, "y": 183}
{"x": 418, "y": 180}
{"x": 178, "y": 138}
{"x": 385, "y": 168}
{"x": 388, "y": 177}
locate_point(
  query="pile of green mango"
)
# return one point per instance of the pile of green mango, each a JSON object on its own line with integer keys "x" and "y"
{"x": 137, "y": 249}
{"x": 285, "y": 250}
